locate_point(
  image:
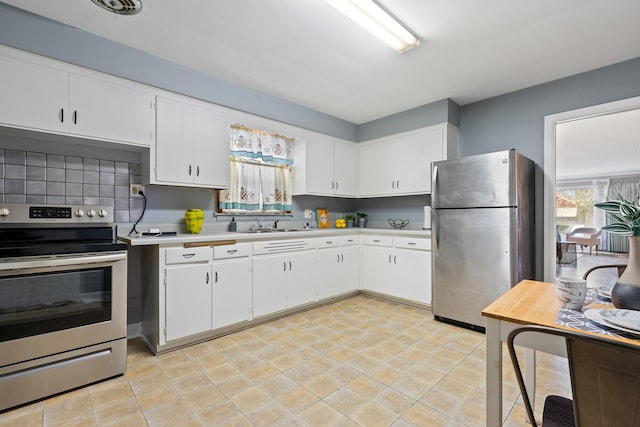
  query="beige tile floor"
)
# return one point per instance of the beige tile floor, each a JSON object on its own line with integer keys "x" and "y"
{"x": 359, "y": 361}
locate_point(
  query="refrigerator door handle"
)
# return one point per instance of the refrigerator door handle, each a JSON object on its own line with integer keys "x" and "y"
{"x": 434, "y": 178}
{"x": 434, "y": 235}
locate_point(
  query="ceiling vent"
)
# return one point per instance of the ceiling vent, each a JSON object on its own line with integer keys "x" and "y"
{"x": 121, "y": 7}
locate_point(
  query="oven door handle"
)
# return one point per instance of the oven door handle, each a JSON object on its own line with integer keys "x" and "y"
{"x": 56, "y": 261}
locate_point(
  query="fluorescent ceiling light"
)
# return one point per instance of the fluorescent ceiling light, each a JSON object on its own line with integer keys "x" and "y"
{"x": 374, "y": 19}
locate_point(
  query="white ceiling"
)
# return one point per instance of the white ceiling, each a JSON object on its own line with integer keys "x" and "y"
{"x": 601, "y": 146}
{"x": 306, "y": 52}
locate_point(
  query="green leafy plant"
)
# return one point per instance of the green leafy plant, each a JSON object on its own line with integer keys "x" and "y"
{"x": 361, "y": 215}
{"x": 350, "y": 217}
{"x": 626, "y": 214}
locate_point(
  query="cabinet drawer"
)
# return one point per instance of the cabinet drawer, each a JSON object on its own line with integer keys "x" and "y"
{"x": 328, "y": 242}
{"x": 412, "y": 243}
{"x": 349, "y": 240}
{"x": 376, "y": 240}
{"x": 232, "y": 251}
{"x": 180, "y": 255}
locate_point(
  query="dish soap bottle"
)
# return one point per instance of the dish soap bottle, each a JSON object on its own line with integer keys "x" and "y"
{"x": 233, "y": 225}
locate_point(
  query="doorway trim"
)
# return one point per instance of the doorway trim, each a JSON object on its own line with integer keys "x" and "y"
{"x": 550, "y": 121}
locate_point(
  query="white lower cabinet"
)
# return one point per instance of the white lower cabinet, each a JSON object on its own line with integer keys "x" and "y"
{"x": 389, "y": 268}
{"x": 187, "y": 300}
{"x": 283, "y": 279}
{"x": 231, "y": 289}
{"x": 338, "y": 265}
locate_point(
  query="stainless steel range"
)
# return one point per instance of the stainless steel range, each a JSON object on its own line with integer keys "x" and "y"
{"x": 63, "y": 300}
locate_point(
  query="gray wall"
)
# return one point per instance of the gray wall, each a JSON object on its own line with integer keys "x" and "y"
{"x": 516, "y": 120}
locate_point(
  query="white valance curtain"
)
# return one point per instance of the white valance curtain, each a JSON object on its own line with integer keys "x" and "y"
{"x": 260, "y": 167}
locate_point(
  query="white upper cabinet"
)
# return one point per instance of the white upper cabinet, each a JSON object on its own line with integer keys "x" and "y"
{"x": 106, "y": 108}
{"x": 401, "y": 164}
{"x": 325, "y": 166}
{"x": 191, "y": 147}
{"x": 34, "y": 95}
{"x": 43, "y": 95}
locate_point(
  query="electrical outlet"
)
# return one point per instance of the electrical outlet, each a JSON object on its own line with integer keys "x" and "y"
{"x": 136, "y": 189}
{"x": 308, "y": 213}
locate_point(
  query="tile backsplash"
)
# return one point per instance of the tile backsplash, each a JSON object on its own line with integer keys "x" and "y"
{"x": 35, "y": 177}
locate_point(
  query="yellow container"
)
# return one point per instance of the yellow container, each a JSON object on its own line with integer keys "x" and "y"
{"x": 194, "y": 218}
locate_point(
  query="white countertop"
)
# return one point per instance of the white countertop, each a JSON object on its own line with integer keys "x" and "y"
{"x": 181, "y": 238}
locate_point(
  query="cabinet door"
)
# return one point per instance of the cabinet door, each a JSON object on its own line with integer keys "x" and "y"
{"x": 413, "y": 274}
{"x": 349, "y": 268}
{"x": 269, "y": 284}
{"x": 337, "y": 271}
{"x": 301, "y": 278}
{"x": 412, "y": 164}
{"x": 377, "y": 270}
{"x": 187, "y": 300}
{"x": 329, "y": 280}
{"x": 231, "y": 293}
{"x": 33, "y": 95}
{"x": 376, "y": 173}
{"x": 319, "y": 165}
{"x": 174, "y": 141}
{"x": 211, "y": 148}
{"x": 345, "y": 168}
{"x": 107, "y": 109}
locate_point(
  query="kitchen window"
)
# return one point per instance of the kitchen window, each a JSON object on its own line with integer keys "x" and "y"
{"x": 261, "y": 173}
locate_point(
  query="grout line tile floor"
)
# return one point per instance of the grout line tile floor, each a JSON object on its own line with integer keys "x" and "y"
{"x": 357, "y": 362}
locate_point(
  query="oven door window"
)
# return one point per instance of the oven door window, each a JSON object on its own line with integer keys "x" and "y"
{"x": 33, "y": 304}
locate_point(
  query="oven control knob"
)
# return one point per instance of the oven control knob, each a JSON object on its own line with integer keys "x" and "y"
{"x": 102, "y": 213}
{"x": 91, "y": 213}
{"x": 79, "y": 213}
{"x": 4, "y": 212}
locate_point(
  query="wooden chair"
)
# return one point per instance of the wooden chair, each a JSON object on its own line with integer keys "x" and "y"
{"x": 585, "y": 236}
{"x": 620, "y": 267}
{"x": 605, "y": 382}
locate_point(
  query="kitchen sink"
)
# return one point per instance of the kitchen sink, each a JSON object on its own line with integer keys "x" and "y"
{"x": 286, "y": 230}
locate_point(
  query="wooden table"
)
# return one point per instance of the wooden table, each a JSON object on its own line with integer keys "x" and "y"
{"x": 527, "y": 303}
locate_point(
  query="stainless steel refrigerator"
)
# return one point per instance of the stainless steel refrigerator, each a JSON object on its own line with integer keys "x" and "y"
{"x": 482, "y": 235}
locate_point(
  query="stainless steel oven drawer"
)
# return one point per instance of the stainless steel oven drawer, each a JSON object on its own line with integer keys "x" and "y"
{"x": 36, "y": 379}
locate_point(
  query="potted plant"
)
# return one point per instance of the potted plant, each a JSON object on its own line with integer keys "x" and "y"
{"x": 351, "y": 219}
{"x": 626, "y": 216}
{"x": 361, "y": 219}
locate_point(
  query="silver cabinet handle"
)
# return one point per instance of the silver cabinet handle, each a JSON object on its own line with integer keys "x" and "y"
{"x": 232, "y": 251}
{"x": 188, "y": 255}
{"x": 341, "y": 257}
{"x": 198, "y": 170}
{"x": 284, "y": 264}
{"x": 338, "y": 256}
{"x": 216, "y": 278}
{"x": 75, "y": 117}
{"x": 62, "y": 115}
{"x": 189, "y": 170}
{"x": 328, "y": 242}
{"x": 389, "y": 258}
{"x": 411, "y": 243}
{"x": 394, "y": 259}
{"x": 289, "y": 265}
{"x": 376, "y": 240}
{"x": 337, "y": 184}
{"x": 207, "y": 277}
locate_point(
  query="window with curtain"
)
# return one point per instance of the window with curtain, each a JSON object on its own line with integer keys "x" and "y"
{"x": 260, "y": 168}
{"x": 629, "y": 188}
